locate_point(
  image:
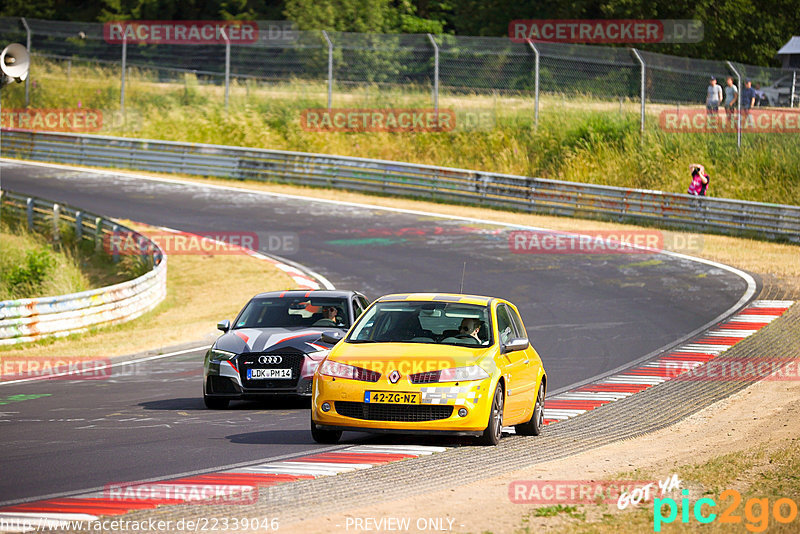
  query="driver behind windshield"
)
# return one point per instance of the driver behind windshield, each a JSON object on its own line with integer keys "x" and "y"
{"x": 469, "y": 329}
{"x": 467, "y": 333}
{"x": 329, "y": 317}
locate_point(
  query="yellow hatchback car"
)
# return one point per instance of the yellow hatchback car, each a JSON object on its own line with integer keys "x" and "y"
{"x": 431, "y": 363}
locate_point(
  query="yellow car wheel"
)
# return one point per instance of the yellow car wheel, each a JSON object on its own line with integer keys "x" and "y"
{"x": 491, "y": 436}
{"x": 324, "y": 436}
{"x": 536, "y": 424}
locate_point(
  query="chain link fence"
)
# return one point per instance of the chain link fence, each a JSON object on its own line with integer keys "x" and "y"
{"x": 338, "y": 63}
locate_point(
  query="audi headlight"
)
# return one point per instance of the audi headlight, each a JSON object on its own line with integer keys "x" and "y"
{"x": 318, "y": 354}
{"x": 459, "y": 374}
{"x": 220, "y": 355}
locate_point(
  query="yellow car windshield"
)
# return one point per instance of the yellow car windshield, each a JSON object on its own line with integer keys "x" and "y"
{"x": 449, "y": 323}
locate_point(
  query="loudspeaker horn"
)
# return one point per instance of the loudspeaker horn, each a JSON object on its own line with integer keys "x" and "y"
{"x": 15, "y": 62}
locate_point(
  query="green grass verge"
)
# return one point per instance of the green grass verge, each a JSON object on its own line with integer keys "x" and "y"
{"x": 577, "y": 139}
{"x": 31, "y": 266}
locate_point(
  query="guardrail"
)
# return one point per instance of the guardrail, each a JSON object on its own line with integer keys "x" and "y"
{"x": 25, "y": 320}
{"x": 556, "y": 197}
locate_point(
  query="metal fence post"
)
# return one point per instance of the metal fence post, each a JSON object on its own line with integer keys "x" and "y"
{"x": 642, "y": 89}
{"x": 114, "y": 252}
{"x": 56, "y": 226}
{"x": 330, "y": 68}
{"x": 78, "y": 226}
{"x": 28, "y": 79}
{"x": 227, "y": 65}
{"x": 124, "y": 68}
{"x": 536, "y": 84}
{"x": 739, "y": 105}
{"x": 98, "y": 234}
{"x": 435, "y": 73}
{"x": 29, "y": 212}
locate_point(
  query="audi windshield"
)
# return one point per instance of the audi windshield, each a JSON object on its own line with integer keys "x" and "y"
{"x": 289, "y": 313}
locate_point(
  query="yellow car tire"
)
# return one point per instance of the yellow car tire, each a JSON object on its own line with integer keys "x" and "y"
{"x": 536, "y": 424}
{"x": 325, "y": 436}
{"x": 494, "y": 430}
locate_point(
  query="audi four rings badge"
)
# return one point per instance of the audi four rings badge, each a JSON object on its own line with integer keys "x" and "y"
{"x": 271, "y": 360}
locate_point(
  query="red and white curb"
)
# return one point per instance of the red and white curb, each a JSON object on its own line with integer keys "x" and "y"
{"x": 669, "y": 366}
{"x": 70, "y": 512}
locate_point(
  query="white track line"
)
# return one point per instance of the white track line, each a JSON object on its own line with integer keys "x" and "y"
{"x": 104, "y": 366}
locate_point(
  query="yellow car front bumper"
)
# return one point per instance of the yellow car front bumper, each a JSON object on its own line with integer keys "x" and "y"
{"x": 437, "y": 409}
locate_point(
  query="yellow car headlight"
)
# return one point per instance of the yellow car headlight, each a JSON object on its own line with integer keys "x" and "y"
{"x": 461, "y": 374}
{"x": 343, "y": 370}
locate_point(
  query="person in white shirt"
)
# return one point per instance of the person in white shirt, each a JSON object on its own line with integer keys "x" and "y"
{"x": 713, "y": 96}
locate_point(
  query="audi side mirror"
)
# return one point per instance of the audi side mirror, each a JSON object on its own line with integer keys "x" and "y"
{"x": 331, "y": 337}
{"x": 224, "y": 325}
{"x": 517, "y": 343}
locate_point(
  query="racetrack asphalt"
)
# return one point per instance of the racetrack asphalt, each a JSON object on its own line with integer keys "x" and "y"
{"x": 585, "y": 314}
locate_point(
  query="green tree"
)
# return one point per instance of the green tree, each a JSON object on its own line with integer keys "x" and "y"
{"x": 341, "y": 15}
{"x": 365, "y": 16}
{"x": 750, "y": 31}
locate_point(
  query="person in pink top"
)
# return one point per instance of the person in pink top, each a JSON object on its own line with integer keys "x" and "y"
{"x": 700, "y": 180}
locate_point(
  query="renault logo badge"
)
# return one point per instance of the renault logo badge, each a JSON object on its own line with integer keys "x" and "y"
{"x": 394, "y": 376}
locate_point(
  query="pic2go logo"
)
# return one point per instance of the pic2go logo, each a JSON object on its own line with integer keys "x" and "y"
{"x": 756, "y": 511}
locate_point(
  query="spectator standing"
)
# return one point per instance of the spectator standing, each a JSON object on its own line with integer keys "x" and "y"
{"x": 759, "y": 95}
{"x": 748, "y": 98}
{"x": 731, "y": 96}
{"x": 713, "y": 96}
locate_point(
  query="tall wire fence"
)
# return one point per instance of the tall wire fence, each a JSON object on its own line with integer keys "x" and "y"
{"x": 439, "y": 65}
